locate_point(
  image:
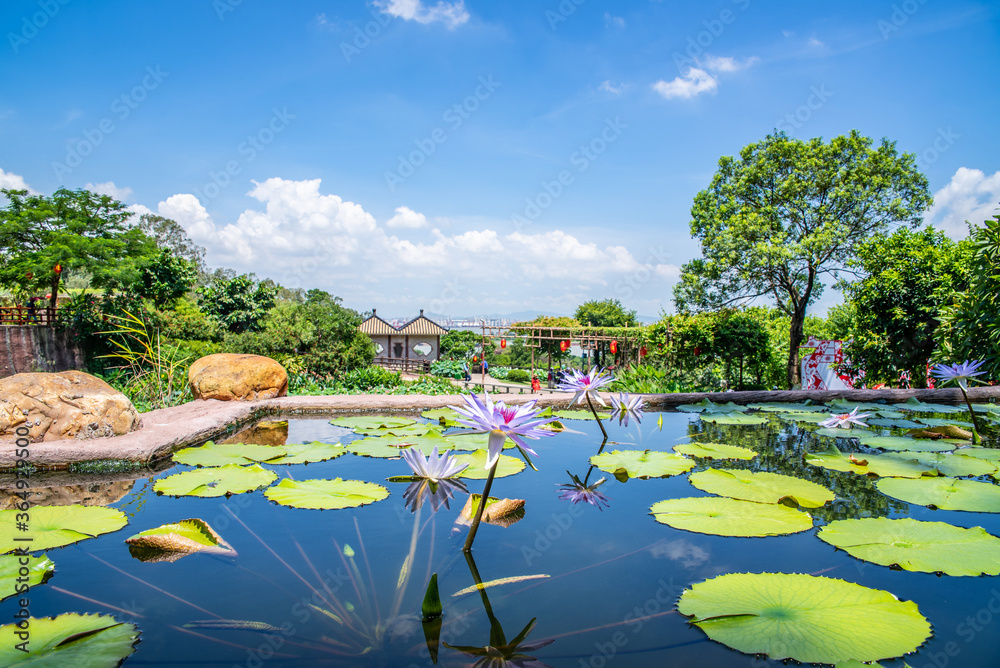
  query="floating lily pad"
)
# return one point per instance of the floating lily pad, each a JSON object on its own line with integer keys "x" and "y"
{"x": 325, "y": 494}
{"x": 221, "y": 454}
{"x": 788, "y": 407}
{"x": 305, "y": 453}
{"x": 446, "y": 417}
{"x": 906, "y": 443}
{"x": 840, "y": 432}
{"x": 364, "y": 424}
{"x": 477, "y": 465}
{"x": 917, "y": 406}
{"x": 216, "y": 481}
{"x": 93, "y": 641}
{"x": 944, "y": 493}
{"x": 761, "y": 487}
{"x": 891, "y": 415}
{"x": 989, "y": 454}
{"x": 927, "y": 547}
{"x": 843, "y": 406}
{"x": 892, "y": 423}
{"x": 733, "y": 418}
{"x": 880, "y": 465}
{"x": 40, "y": 569}
{"x": 580, "y": 415}
{"x": 943, "y": 422}
{"x": 186, "y": 536}
{"x": 392, "y": 446}
{"x": 722, "y": 516}
{"x": 708, "y": 406}
{"x": 799, "y": 416}
{"x": 986, "y": 408}
{"x": 471, "y": 442}
{"x": 804, "y": 617}
{"x": 55, "y": 526}
{"x": 949, "y": 464}
{"x": 625, "y": 464}
{"x": 714, "y": 451}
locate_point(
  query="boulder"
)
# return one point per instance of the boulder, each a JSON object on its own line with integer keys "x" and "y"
{"x": 233, "y": 377}
{"x": 68, "y": 404}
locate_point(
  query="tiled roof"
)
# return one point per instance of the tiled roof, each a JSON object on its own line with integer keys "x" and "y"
{"x": 377, "y": 326}
{"x": 423, "y": 326}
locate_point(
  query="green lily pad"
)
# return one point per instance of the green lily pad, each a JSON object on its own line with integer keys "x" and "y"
{"x": 722, "y": 516}
{"x": 40, "y": 569}
{"x": 625, "y": 464}
{"x": 55, "y": 526}
{"x": 927, "y": 547}
{"x": 880, "y": 465}
{"x": 799, "y": 416}
{"x": 843, "y": 406}
{"x": 191, "y": 535}
{"x": 906, "y": 443}
{"x": 949, "y": 464}
{"x": 477, "y": 470}
{"x": 804, "y": 617}
{"x": 94, "y": 641}
{"x": 714, "y": 451}
{"x": 944, "y": 493}
{"x": 733, "y": 418}
{"x": 446, "y": 417}
{"x": 708, "y": 406}
{"x": 216, "y": 481}
{"x": 788, "y": 407}
{"x": 580, "y": 415}
{"x": 917, "y": 406}
{"x": 840, "y": 432}
{"x": 325, "y": 494}
{"x": 761, "y": 487}
{"x": 896, "y": 423}
{"x": 943, "y": 422}
{"x": 891, "y": 415}
{"x": 418, "y": 429}
{"x": 986, "y": 408}
{"x": 221, "y": 454}
{"x": 364, "y": 424}
{"x": 989, "y": 454}
{"x": 305, "y": 453}
{"x": 392, "y": 446}
{"x": 471, "y": 442}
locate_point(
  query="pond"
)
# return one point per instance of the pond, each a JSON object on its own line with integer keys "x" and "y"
{"x": 344, "y": 587}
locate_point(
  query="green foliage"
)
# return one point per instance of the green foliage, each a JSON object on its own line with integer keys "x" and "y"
{"x": 185, "y": 321}
{"x": 447, "y": 368}
{"x": 644, "y": 379}
{"x": 164, "y": 277}
{"x": 240, "y": 304}
{"x": 170, "y": 236}
{"x": 605, "y": 313}
{"x": 518, "y": 376}
{"x": 549, "y": 350}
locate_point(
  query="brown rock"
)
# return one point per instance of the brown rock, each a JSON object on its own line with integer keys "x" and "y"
{"x": 233, "y": 377}
{"x": 68, "y": 404}
{"x": 92, "y": 494}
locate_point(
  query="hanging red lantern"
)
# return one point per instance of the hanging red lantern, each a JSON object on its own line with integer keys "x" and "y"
{"x": 564, "y": 346}
{"x": 57, "y": 268}
{"x": 503, "y": 343}
{"x": 697, "y": 350}
{"x": 614, "y": 347}
{"x": 642, "y": 351}
{"x": 474, "y": 359}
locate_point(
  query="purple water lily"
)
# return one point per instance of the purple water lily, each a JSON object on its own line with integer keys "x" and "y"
{"x": 958, "y": 373}
{"x": 624, "y": 407}
{"x": 433, "y": 467}
{"x": 578, "y": 491}
{"x": 585, "y": 385}
{"x": 502, "y": 422}
{"x": 846, "y": 420}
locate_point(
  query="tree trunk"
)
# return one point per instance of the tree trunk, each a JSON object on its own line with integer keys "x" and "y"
{"x": 795, "y": 337}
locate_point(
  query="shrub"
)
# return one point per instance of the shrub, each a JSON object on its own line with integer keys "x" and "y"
{"x": 518, "y": 376}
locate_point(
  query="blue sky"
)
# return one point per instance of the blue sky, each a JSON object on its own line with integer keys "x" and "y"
{"x": 477, "y": 157}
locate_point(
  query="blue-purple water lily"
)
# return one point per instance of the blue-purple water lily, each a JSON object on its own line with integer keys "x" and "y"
{"x": 502, "y": 422}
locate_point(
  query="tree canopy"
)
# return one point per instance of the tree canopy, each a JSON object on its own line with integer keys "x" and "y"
{"x": 238, "y": 303}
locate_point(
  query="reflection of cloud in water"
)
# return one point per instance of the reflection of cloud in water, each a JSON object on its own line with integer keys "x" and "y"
{"x": 689, "y": 554}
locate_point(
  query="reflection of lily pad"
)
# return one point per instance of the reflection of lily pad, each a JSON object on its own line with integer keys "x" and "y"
{"x": 761, "y": 487}
{"x": 91, "y": 641}
{"x": 722, "y": 516}
{"x": 187, "y": 536}
{"x": 948, "y": 464}
{"x": 733, "y": 418}
{"x": 906, "y": 443}
{"x": 304, "y": 453}
{"x": 804, "y": 617}
{"x": 55, "y": 526}
{"x": 625, "y": 464}
{"x": 216, "y": 481}
{"x": 391, "y": 446}
{"x": 364, "y": 424}
{"x": 714, "y": 451}
{"x": 880, "y": 465}
{"x": 39, "y": 570}
{"x": 944, "y": 493}
{"x": 928, "y": 547}
{"x": 325, "y": 494}
{"x": 477, "y": 462}
{"x": 220, "y": 454}
{"x": 708, "y": 406}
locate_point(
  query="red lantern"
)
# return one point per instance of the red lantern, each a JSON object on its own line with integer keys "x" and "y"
{"x": 503, "y": 343}
{"x": 614, "y": 347}
{"x": 642, "y": 351}
{"x": 697, "y": 350}
{"x": 564, "y": 346}
{"x": 475, "y": 359}
{"x": 57, "y": 268}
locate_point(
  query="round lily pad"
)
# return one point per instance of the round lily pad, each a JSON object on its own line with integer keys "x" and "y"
{"x": 365, "y": 424}
{"x": 325, "y": 494}
{"x": 220, "y": 454}
{"x": 625, "y": 464}
{"x": 944, "y": 493}
{"x": 305, "y": 453}
{"x": 446, "y": 417}
{"x": 804, "y": 617}
{"x": 216, "y": 481}
{"x": 94, "y": 641}
{"x": 40, "y": 569}
{"x": 788, "y": 407}
{"x": 917, "y": 406}
{"x": 928, "y": 547}
{"x": 477, "y": 470}
{"x": 714, "y": 451}
{"x": 906, "y": 443}
{"x": 880, "y": 465}
{"x": 389, "y": 446}
{"x": 989, "y": 454}
{"x": 733, "y": 418}
{"x": 949, "y": 464}
{"x": 761, "y": 487}
{"x": 800, "y": 416}
{"x": 709, "y": 406}
{"x": 722, "y": 516}
{"x": 55, "y": 526}
{"x": 841, "y": 432}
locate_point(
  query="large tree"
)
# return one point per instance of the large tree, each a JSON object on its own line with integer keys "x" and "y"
{"x": 786, "y": 213}
{"x": 605, "y": 313}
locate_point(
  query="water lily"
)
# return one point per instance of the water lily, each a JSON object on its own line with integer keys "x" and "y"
{"x": 846, "y": 420}
{"x": 439, "y": 493}
{"x": 585, "y": 385}
{"x": 579, "y": 491}
{"x": 958, "y": 373}
{"x": 624, "y": 407}
{"x": 502, "y": 422}
{"x": 433, "y": 467}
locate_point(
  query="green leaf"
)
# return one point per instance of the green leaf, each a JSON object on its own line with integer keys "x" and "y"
{"x": 804, "y": 617}
{"x": 40, "y": 569}
{"x": 840, "y": 432}
{"x": 325, "y": 494}
{"x": 625, "y": 464}
{"x": 906, "y": 443}
{"x": 989, "y": 454}
{"x": 55, "y": 526}
{"x": 917, "y": 406}
{"x": 843, "y": 406}
{"x": 446, "y": 417}
{"x": 944, "y": 493}
{"x": 942, "y": 422}
{"x": 365, "y": 424}
{"x": 880, "y": 465}
{"x": 506, "y": 465}
{"x": 708, "y": 406}
{"x": 431, "y": 607}
{"x": 190, "y": 535}
{"x": 498, "y": 583}
{"x": 391, "y": 446}
{"x": 216, "y": 481}
{"x": 90, "y": 641}
{"x": 927, "y": 547}
{"x": 722, "y": 516}
{"x": 714, "y": 451}
{"x": 788, "y": 407}
{"x": 761, "y": 487}
{"x": 221, "y": 454}
{"x": 813, "y": 418}
{"x": 581, "y": 415}
{"x": 472, "y": 442}
{"x": 733, "y": 418}
{"x": 306, "y": 453}
{"x": 949, "y": 464}
{"x": 418, "y": 429}
{"x": 893, "y": 423}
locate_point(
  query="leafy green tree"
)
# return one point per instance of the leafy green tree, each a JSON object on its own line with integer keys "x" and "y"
{"x": 165, "y": 277}
{"x": 170, "y": 235}
{"x": 605, "y": 313}
{"x": 548, "y": 348}
{"x": 906, "y": 278}
{"x": 239, "y": 304}
{"x": 786, "y": 213}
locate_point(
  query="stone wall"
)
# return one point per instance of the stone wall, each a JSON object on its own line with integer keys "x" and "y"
{"x": 34, "y": 348}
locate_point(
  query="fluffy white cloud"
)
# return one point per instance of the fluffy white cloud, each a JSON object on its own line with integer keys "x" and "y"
{"x": 452, "y": 14}
{"x": 11, "y": 181}
{"x": 694, "y": 82}
{"x": 613, "y": 21}
{"x": 407, "y": 218}
{"x": 971, "y": 196}
{"x": 110, "y": 189}
{"x": 726, "y": 63}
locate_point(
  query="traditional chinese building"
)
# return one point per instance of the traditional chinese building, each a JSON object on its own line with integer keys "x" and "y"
{"x": 416, "y": 342}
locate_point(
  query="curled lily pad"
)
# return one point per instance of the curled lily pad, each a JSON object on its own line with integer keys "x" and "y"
{"x": 305, "y": 453}
{"x": 94, "y": 641}
{"x": 477, "y": 470}
{"x": 498, "y": 512}
{"x": 944, "y": 493}
{"x": 55, "y": 526}
{"x": 733, "y": 418}
{"x": 625, "y": 464}
{"x": 40, "y": 569}
{"x": 949, "y": 464}
{"x": 325, "y": 494}
{"x": 928, "y": 547}
{"x": 714, "y": 451}
{"x": 186, "y": 536}
{"x": 708, "y": 406}
{"x": 906, "y": 443}
{"x": 761, "y": 487}
{"x": 804, "y": 617}
{"x": 365, "y": 424}
{"x": 216, "y": 481}
{"x": 880, "y": 465}
{"x": 722, "y": 516}
{"x": 220, "y": 454}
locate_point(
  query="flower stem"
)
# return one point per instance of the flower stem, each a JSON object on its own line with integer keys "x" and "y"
{"x": 976, "y": 439}
{"x": 597, "y": 417}
{"x": 482, "y": 506}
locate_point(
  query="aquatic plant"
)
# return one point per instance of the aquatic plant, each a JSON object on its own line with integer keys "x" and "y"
{"x": 586, "y": 385}
{"x": 962, "y": 374}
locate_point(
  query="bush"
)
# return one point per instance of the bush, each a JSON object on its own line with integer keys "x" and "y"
{"x": 447, "y": 368}
{"x": 500, "y": 372}
{"x": 518, "y": 376}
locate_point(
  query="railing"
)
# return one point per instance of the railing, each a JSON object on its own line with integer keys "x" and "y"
{"x": 397, "y": 364}
{"x": 25, "y": 315}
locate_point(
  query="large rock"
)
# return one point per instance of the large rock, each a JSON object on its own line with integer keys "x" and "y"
{"x": 68, "y": 404}
{"x": 233, "y": 377}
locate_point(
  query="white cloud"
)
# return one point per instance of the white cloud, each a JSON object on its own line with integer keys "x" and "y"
{"x": 613, "y": 21}
{"x": 452, "y": 14}
{"x": 407, "y": 218}
{"x": 12, "y": 181}
{"x": 815, "y": 42}
{"x": 726, "y": 63}
{"x": 971, "y": 196}
{"x": 110, "y": 189}
{"x": 694, "y": 82}
{"x": 609, "y": 87}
